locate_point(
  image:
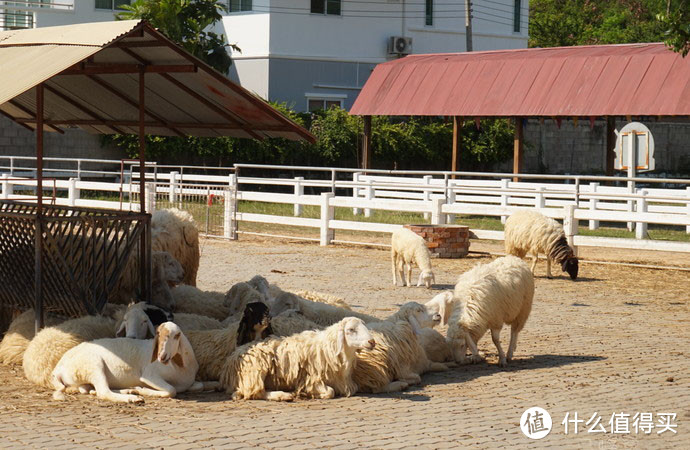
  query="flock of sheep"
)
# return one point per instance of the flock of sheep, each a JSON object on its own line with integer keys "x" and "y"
{"x": 257, "y": 341}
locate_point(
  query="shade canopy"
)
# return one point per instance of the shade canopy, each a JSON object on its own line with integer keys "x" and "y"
{"x": 90, "y": 73}
{"x": 602, "y": 80}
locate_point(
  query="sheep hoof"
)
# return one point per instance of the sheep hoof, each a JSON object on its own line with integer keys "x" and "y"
{"x": 476, "y": 359}
{"x": 503, "y": 363}
{"x": 59, "y": 396}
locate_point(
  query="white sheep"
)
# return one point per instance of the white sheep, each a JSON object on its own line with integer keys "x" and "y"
{"x": 315, "y": 364}
{"x": 322, "y": 313}
{"x": 191, "y": 300}
{"x": 486, "y": 297}
{"x": 159, "y": 367}
{"x": 398, "y": 359}
{"x": 174, "y": 231}
{"x": 19, "y": 334}
{"x": 49, "y": 344}
{"x": 141, "y": 319}
{"x": 165, "y": 270}
{"x": 530, "y": 233}
{"x": 292, "y": 322}
{"x": 407, "y": 247}
{"x": 241, "y": 294}
{"x": 324, "y": 298}
{"x": 441, "y": 304}
{"x": 435, "y": 346}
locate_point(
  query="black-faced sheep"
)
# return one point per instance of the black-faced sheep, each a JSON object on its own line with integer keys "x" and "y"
{"x": 407, "y": 247}
{"x": 530, "y": 233}
{"x": 486, "y": 297}
{"x": 255, "y": 324}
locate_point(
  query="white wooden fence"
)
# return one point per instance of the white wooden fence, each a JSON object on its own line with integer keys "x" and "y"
{"x": 436, "y": 195}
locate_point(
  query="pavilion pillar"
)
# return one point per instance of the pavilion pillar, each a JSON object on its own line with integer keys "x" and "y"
{"x": 457, "y": 143}
{"x": 610, "y": 145}
{"x": 518, "y": 148}
{"x": 38, "y": 244}
{"x": 366, "y": 147}
{"x": 144, "y": 248}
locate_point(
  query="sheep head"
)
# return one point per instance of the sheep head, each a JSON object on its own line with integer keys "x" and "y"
{"x": 570, "y": 265}
{"x": 426, "y": 277}
{"x": 166, "y": 269}
{"x": 136, "y": 323}
{"x": 283, "y": 302}
{"x": 166, "y": 344}
{"x": 353, "y": 334}
{"x": 255, "y": 324}
{"x": 440, "y": 307}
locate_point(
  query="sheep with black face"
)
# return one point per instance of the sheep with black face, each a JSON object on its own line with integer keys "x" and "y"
{"x": 255, "y": 324}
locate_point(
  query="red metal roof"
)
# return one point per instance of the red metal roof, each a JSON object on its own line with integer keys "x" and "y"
{"x": 600, "y": 80}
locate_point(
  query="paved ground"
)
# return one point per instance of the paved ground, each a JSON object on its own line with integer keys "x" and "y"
{"x": 613, "y": 342}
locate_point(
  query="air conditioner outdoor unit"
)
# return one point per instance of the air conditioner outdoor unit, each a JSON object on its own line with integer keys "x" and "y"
{"x": 399, "y": 45}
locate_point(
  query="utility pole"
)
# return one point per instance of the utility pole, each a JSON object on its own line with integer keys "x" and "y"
{"x": 468, "y": 24}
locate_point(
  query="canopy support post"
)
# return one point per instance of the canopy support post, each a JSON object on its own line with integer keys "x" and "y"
{"x": 517, "y": 148}
{"x": 144, "y": 250}
{"x": 457, "y": 143}
{"x": 366, "y": 148}
{"x": 610, "y": 145}
{"x": 38, "y": 246}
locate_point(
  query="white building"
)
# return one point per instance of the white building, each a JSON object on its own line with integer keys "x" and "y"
{"x": 315, "y": 53}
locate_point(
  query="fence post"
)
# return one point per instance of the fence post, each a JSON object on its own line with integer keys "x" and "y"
{"x": 228, "y": 216}
{"x": 11, "y": 165}
{"x": 504, "y": 196}
{"x": 78, "y": 170}
{"x": 72, "y": 192}
{"x": 539, "y": 201}
{"x": 172, "y": 194}
{"x": 631, "y": 206}
{"x": 355, "y": 191}
{"x": 593, "y": 224}
{"x": 437, "y": 216}
{"x": 641, "y": 227}
{"x": 299, "y": 192}
{"x": 369, "y": 195}
{"x": 7, "y": 187}
{"x": 570, "y": 226}
{"x": 327, "y": 214}
{"x": 426, "y": 194}
{"x": 150, "y": 200}
{"x": 333, "y": 181}
{"x": 687, "y": 190}
{"x": 450, "y": 218}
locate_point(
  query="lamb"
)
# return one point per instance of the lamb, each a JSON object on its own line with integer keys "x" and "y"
{"x": 190, "y": 300}
{"x": 408, "y": 247}
{"x": 49, "y": 344}
{"x": 317, "y": 364}
{"x": 320, "y": 313}
{"x": 486, "y": 297}
{"x": 141, "y": 319}
{"x": 529, "y": 232}
{"x": 19, "y": 334}
{"x": 174, "y": 231}
{"x": 398, "y": 358}
{"x": 164, "y": 365}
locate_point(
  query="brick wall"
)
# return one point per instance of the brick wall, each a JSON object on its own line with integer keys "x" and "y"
{"x": 444, "y": 241}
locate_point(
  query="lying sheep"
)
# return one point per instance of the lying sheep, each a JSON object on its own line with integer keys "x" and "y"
{"x": 324, "y": 298}
{"x": 19, "y": 334}
{"x": 191, "y": 300}
{"x": 239, "y": 296}
{"x": 255, "y": 324}
{"x": 174, "y": 231}
{"x": 141, "y": 320}
{"x": 441, "y": 304}
{"x": 529, "y": 232}
{"x": 165, "y": 271}
{"x": 398, "y": 359}
{"x": 49, "y": 344}
{"x": 321, "y": 313}
{"x": 486, "y": 297}
{"x": 164, "y": 366}
{"x": 292, "y": 322}
{"x": 435, "y": 346}
{"x": 406, "y": 248}
{"x": 317, "y": 364}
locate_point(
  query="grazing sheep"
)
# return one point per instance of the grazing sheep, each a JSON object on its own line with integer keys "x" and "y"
{"x": 441, "y": 304}
{"x": 316, "y": 364}
{"x": 486, "y": 297}
{"x": 529, "y": 232}
{"x": 164, "y": 365}
{"x": 398, "y": 359}
{"x": 174, "y": 231}
{"x": 141, "y": 320}
{"x": 19, "y": 334}
{"x": 406, "y": 248}
{"x": 255, "y": 324}
{"x": 191, "y": 300}
{"x": 49, "y": 344}
{"x": 321, "y": 313}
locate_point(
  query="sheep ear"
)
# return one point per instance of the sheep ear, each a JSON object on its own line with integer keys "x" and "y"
{"x": 154, "y": 356}
{"x": 415, "y": 325}
{"x": 177, "y": 360}
{"x": 340, "y": 340}
{"x": 122, "y": 330}
{"x": 152, "y": 330}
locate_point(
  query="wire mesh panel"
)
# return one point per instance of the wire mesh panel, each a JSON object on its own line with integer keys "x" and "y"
{"x": 84, "y": 252}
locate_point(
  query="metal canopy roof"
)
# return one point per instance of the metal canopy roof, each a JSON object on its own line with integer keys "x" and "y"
{"x": 90, "y": 74}
{"x": 604, "y": 80}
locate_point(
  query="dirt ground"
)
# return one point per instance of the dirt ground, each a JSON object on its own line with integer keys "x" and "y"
{"x": 615, "y": 341}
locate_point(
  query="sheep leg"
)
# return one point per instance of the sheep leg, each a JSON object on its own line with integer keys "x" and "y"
{"x": 394, "y": 264}
{"x": 394, "y": 386}
{"x": 496, "y": 337}
{"x": 534, "y": 262}
{"x": 411, "y": 378}
{"x": 408, "y": 266}
{"x": 476, "y": 357}
{"x": 513, "y": 342}
{"x": 323, "y": 391}
{"x": 278, "y": 396}
{"x": 548, "y": 266}
{"x": 436, "y": 367}
{"x": 100, "y": 384}
{"x": 161, "y": 388}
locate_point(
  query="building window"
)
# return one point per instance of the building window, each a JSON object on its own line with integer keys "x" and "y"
{"x": 15, "y": 20}
{"x": 516, "y": 16}
{"x": 112, "y": 4}
{"x": 239, "y": 5}
{"x": 318, "y": 104}
{"x": 326, "y": 7}
{"x": 429, "y": 12}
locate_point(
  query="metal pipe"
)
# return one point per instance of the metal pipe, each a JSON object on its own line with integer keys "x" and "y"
{"x": 38, "y": 257}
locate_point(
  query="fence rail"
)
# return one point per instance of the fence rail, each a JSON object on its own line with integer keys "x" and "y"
{"x": 439, "y": 196}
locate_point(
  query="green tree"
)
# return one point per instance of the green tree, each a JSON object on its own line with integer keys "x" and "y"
{"x": 187, "y": 23}
{"x": 677, "y": 24}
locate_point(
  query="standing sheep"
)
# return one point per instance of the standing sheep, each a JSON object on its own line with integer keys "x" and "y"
{"x": 174, "y": 231}
{"x": 316, "y": 364}
{"x": 406, "y": 248}
{"x": 486, "y": 297}
{"x": 529, "y": 232}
